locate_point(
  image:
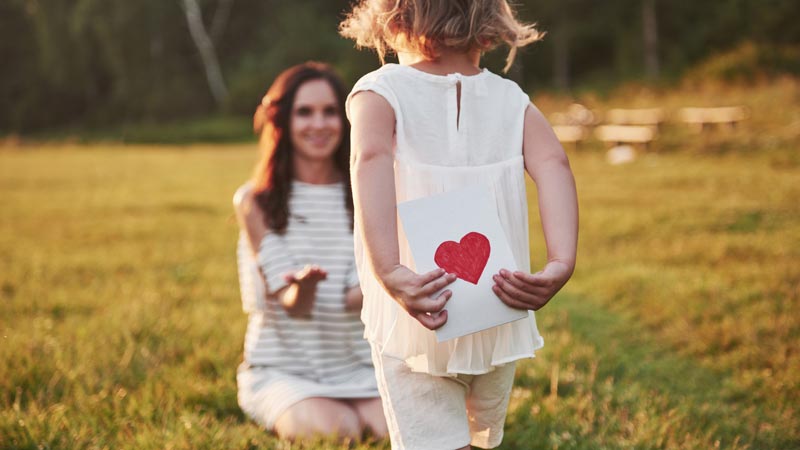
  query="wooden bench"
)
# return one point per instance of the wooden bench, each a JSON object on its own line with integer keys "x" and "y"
{"x": 625, "y": 134}
{"x": 570, "y": 134}
{"x": 700, "y": 118}
{"x": 621, "y": 154}
{"x": 645, "y": 116}
{"x": 570, "y": 126}
{"x": 576, "y": 114}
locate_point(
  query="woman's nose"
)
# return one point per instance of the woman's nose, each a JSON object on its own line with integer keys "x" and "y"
{"x": 318, "y": 120}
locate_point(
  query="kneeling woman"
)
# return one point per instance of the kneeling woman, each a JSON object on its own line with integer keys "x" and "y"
{"x": 307, "y": 368}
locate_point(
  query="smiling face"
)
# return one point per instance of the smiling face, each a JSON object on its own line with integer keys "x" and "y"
{"x": 316, "y": 122}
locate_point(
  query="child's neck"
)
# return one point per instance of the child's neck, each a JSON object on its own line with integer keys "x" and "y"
{"x": 448, "y": 61}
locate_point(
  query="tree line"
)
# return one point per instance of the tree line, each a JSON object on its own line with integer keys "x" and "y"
{"x": 104, "y": 62}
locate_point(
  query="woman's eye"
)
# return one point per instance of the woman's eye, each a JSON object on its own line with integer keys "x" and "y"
{"x": 330, "y": 111}
{"x": 303, "y": 111}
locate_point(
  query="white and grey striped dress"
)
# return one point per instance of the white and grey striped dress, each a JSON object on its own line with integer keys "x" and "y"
{"x": 289, "y": 359}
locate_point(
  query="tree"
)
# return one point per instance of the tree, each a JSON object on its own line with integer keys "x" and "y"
{"x": 650, "y": 38}
{"x": 205, "y": 45}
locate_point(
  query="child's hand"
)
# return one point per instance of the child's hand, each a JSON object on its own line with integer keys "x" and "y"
{"x": 414, "y": 293}
{"x": 531, "y": 291}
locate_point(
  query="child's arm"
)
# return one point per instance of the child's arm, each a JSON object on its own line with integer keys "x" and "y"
{"x": 372, "y": 174}
{"x": 547, "y": 164}
{"x": 297, "y": 298}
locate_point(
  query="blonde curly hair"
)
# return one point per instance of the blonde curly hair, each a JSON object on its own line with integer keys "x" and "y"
{"x": 429, "y": 26}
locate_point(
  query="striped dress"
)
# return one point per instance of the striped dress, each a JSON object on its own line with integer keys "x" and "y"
{"x": 289, "y": 359}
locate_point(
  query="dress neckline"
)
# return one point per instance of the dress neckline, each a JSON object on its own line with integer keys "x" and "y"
{"x": 449, "y": 78}
{"x": 303, "y": 184}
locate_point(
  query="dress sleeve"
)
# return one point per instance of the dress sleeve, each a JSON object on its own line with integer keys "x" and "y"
{"x": 352, "y": 276}
{"x": 251, "y": 285}
{"x": 523, "y": 99}
{"x": 275, "y": 259}
{"x": 375, "y": 82}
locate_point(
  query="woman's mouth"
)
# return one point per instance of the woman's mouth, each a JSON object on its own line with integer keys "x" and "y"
{"x": 318, "y": 140}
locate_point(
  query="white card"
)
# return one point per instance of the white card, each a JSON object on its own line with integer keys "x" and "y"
{"x": 468, "y": 219}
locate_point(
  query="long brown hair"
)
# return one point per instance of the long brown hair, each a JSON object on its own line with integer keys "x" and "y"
{"x": 274, "y": 173}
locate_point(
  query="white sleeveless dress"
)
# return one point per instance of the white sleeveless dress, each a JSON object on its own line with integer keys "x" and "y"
{"x": 437, "y": 149}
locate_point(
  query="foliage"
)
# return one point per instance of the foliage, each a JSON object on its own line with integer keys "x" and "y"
{"x": 108, "y": 62}
{"x": 748, "y": 63}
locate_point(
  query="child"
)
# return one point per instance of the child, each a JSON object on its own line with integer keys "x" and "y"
{"x": 434, "y": 123}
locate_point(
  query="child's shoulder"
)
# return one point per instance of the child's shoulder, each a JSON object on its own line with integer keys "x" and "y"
{"x": 381, "y": 81}
{"x": 502, "y": 82}
{"x": 383, "y": 74}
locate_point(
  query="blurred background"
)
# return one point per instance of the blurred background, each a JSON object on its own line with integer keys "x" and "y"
{"x": 125, "y": 128}
{"x": 94, "y": 64}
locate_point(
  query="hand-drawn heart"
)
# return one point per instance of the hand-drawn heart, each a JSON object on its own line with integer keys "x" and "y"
{"x": 466, "y": 259}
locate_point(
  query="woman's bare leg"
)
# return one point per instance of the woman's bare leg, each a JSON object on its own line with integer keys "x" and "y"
{"x": 319, "y": 416}
{"x": 370, "y": 414}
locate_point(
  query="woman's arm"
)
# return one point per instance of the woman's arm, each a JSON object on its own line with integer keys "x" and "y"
{"x": 374, "y": 197}
{"x": 297, "y": 298}
{"x": 547, "y": 164}
{"x": 353, "y": 299}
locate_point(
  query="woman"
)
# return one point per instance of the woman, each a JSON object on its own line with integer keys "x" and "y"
{"x": 307, "y": 369}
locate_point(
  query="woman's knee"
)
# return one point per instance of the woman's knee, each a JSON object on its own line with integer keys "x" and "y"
{"x": 319, "y": 417}
{"x": 370, "y": 412}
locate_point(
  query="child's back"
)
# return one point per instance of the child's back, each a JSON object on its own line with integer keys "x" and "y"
{"x": 451, "y": 131}
{"x": 436, "y": 124}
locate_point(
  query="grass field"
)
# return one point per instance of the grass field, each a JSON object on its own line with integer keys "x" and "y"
{"x": 121, "y": 325}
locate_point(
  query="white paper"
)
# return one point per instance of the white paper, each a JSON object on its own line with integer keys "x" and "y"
{"x": 430, "y": 221}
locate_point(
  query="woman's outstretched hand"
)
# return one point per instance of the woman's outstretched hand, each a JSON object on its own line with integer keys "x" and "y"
{"x": 307, "y": 276}
{"x": 414, "y": 292}
{"x": 298, "y": 297}
{"x": 522, "y": 290}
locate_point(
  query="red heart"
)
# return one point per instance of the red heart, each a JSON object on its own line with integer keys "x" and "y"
{"x": 466, "y": 259}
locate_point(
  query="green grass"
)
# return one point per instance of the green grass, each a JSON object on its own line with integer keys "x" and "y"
{"x": 121, "y": 324}
{"x": 217, "y": 129}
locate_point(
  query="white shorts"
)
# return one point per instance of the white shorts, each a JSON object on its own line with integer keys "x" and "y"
{"x": 427, "y": 412}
